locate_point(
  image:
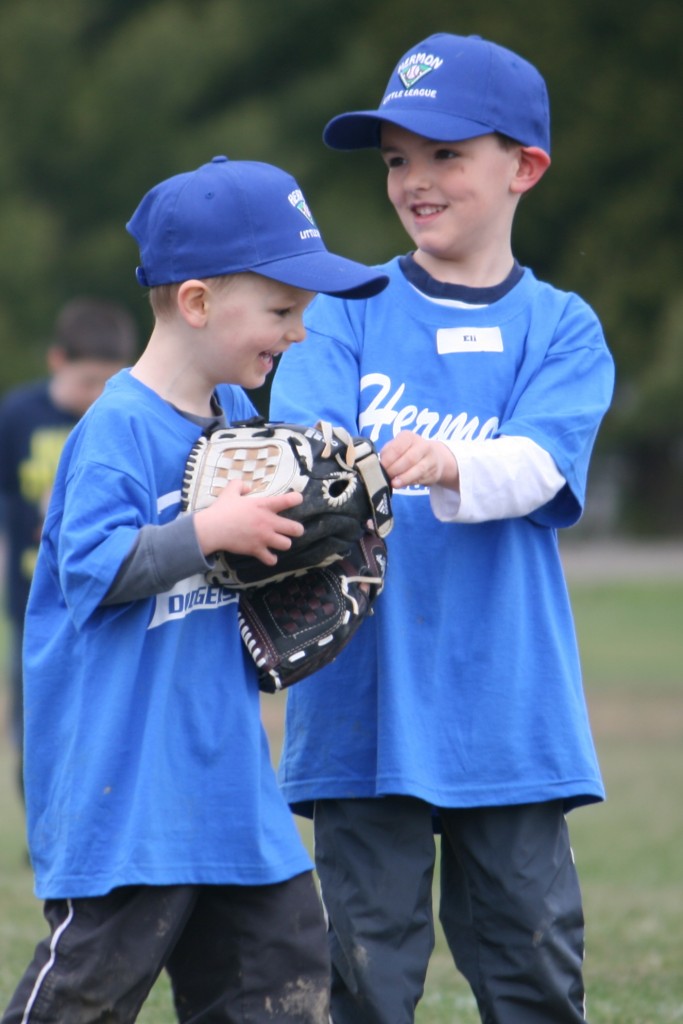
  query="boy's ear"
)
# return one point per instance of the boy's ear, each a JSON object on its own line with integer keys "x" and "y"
{"x": 533, "y": 163}
{"x": 193, "y": 303}
{"x": 56, "y": 358}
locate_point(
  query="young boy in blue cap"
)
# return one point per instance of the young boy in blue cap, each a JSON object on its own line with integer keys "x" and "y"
{"x": 157, "y": 832}
{"x": 459, "y": 708}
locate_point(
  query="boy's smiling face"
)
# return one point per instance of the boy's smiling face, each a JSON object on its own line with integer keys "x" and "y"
{"x": 456, "y": 200}
{"x": 252, "y": 320}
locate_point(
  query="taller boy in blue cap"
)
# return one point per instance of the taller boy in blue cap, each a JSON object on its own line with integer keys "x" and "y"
{"x": 459, "y": 708}
{"x": 156, "y": 829}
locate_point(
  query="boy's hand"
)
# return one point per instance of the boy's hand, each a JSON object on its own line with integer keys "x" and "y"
{"x": 411, "y": 459}
{"x": 247, "y": 525}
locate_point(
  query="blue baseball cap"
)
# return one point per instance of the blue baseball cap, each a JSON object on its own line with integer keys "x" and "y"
{"x": 451, "y": 88}
{"x": 233, "y": 216}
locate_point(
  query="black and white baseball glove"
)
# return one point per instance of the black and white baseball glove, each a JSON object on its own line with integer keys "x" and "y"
{"x": 297, "y": 615}
{"x": 294, "y": 626}
{"x": 340, "y": 477}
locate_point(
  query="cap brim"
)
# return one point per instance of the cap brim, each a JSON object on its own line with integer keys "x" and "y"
{"x": 326, "y": 273}
{"x": 361, "y": 128}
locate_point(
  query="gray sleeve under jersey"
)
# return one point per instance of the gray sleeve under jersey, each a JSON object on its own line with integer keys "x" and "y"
{"x": 159, "y": 558}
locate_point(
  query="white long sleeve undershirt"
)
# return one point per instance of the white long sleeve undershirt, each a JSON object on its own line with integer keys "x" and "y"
{"x": 500, "y": 478}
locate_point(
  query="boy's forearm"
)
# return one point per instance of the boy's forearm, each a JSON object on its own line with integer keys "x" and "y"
{"x": 500, "y": 478}
{"x": 159, "y": 558}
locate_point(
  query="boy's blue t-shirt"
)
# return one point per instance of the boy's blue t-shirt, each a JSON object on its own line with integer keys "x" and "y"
{"x": 464, "y": 688}
{"x": 145, "y": 759}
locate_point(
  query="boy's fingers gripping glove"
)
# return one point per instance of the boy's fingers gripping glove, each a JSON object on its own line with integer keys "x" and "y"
{"x": 340, "y": 477}
{"x": 294, "y": 626}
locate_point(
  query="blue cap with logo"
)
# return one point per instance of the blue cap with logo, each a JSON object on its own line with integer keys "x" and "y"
{"x": 233, "y": 216}
{"x": 450, "y": 88}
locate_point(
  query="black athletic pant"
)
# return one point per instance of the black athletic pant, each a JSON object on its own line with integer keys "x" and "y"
{"x": 233, "y": 953}
{"x": 510, "y": 907}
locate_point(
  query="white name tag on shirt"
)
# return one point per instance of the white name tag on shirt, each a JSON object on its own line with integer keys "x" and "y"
{"x": 468, "y": 339}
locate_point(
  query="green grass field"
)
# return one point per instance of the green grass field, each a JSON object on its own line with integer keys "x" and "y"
{"x": 629, "y": 850}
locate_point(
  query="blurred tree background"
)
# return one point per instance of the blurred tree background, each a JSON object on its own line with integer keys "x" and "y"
{"x": 100, "y": 99}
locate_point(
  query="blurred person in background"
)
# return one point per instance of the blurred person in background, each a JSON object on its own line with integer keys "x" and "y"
{"x": 92, "y": 339}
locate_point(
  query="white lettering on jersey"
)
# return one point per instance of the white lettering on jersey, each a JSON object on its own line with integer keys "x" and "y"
{"x": 468, "y": 339}
{"x": 189, "y": 595}
{"x": 381, "y": 411}
{"x": 167, "y": 500}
